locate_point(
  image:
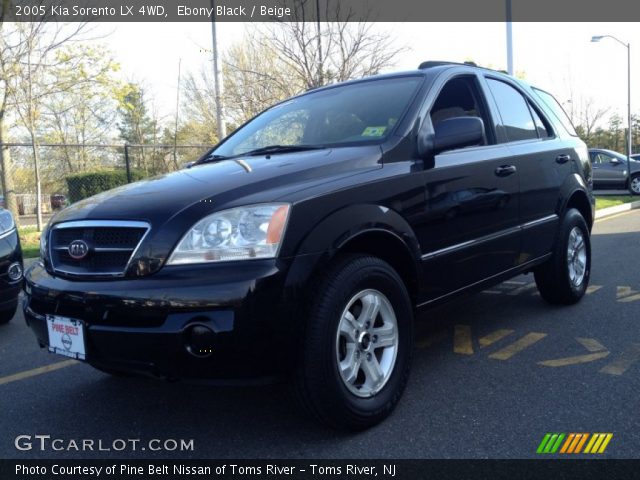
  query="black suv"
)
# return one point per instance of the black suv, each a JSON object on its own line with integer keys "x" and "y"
{"x": 304, "y": 243}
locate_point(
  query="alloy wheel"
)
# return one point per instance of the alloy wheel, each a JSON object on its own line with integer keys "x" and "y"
{"x": 367, "y": 343}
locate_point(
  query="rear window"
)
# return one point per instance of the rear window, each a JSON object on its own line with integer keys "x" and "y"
{"x": 553, "y": 105}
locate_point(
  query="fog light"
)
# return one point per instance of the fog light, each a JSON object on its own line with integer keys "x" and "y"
{"x": 199, "y": 340}
{"x": 15, "y": 271}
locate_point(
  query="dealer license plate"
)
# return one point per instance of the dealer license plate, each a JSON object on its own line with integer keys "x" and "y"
{"x": 66, "y": 336}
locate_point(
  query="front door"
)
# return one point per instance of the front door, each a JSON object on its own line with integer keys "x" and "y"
{"x": 470, "y": 228}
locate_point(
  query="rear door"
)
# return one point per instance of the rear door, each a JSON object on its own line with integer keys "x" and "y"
{"x": 543, "y": 161}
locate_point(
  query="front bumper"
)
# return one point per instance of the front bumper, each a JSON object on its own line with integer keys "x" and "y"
{"x": 142, "y": 325}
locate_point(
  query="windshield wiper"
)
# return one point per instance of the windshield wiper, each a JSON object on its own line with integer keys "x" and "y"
{"x": 281, "y": 149}
{"x": 211, "y": 158}
{"x": 259, "y": 151}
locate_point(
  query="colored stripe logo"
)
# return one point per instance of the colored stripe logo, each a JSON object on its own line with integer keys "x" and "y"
{"x": 574, "y": 443}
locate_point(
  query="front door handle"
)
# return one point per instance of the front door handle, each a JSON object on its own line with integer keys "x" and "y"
{"x": 505, "y": 170}
{"x": 563, "y": 158}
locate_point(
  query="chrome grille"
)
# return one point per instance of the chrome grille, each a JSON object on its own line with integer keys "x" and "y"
{"x": 111, "y": 244}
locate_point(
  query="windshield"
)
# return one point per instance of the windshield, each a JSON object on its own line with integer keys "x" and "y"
{"x": 359, "y": 112}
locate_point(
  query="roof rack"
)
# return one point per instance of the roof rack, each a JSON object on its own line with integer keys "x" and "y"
{"x": 431, "y": 64}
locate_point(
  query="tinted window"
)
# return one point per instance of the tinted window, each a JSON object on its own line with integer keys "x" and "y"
{"x": 346, "y": 114}
{"x": 515, "y": 113}
{"x": 459, "y": 98}
{"x": 543, "y": 131}
{"x": 557, "y": 110}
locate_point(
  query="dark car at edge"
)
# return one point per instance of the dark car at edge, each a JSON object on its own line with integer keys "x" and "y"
{"x": 303, "y": 245}
{"x": 11, "y": 267}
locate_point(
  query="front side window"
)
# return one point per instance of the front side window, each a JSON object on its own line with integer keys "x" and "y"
{"x": 601, "y": 158}
{"x": 460, "y": 98}
{"x": 516, "y": 116}
{"x": 344, "y": 115}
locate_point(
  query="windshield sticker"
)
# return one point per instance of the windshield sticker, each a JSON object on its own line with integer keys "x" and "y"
{"x": 373, "y": 131}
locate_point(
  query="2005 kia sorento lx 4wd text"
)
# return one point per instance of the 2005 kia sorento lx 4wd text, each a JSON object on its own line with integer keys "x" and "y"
{"x": 304, "y": 243}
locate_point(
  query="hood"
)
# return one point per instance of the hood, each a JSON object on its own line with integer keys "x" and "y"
{"x": 173, "y": 203}
{"x": 222, "y": 184}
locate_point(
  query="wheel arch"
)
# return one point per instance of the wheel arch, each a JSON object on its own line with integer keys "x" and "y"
{"x": 368, "y": 229}
{"x": 576, "y": 194}
{"x": 580, "y": 202}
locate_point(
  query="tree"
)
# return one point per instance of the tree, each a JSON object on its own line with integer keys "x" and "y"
{"x": 331, "y": 51}
{"x": 84, "y": 114}
{"x": 282, "y": 60}
{"x": 616, "y": 132}
{"x": 586, "y": 116}
{"x": 255, "y": 78}
{"x": 38, "y": 69}
{"x": 198, "y": 108}
{"x": 136, "y": 125}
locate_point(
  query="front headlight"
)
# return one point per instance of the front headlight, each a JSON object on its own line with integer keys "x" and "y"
{"x": 242, "y": 233}
{"x": 6, "y": 222}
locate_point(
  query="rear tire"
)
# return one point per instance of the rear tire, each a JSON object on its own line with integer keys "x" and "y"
{"x": 357, "y": 344}
{"x": 563, "y": 279}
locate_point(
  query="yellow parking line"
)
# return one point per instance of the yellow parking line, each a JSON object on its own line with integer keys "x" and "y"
{"x": 517, "y": 346}
{"x": 624, "y": 361}
{"x": 626, "y": 294}
{"x": 462, "y": 340}
{"x": 593, "y": 289}
{"x": 37, "y": 371}
{"x": 591, "y": 344}
{"x": 564, "y": 362}
{"x": 494, "y": 337}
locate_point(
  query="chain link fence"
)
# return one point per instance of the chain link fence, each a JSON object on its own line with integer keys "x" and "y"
{"x": 70, "y": 172}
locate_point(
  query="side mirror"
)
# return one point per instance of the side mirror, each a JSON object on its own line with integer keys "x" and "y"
{"x": 615, "y": 161}
{"x": 457, "y": 132}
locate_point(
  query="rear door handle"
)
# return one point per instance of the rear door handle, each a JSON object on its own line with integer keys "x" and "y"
{"x": 505, "y": 170}
{"x": 563, "y": 158}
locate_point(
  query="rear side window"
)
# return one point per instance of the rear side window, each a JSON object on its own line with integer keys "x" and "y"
{"x": 515, "y": 113}
{"x": 557, "y": 110}
{"x": 541, "y": 126}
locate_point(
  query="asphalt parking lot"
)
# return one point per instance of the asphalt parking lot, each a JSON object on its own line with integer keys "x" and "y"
{"x": 493, "y": 373}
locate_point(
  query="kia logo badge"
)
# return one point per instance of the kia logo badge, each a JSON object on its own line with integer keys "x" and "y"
{"x": 78, "y": 249}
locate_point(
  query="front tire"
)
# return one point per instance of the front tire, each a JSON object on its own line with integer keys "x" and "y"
{"x": 357, "y": 344}
{"x": 564, "y": 278}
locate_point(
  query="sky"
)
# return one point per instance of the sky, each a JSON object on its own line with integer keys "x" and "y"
{"x": 558, "y": 57}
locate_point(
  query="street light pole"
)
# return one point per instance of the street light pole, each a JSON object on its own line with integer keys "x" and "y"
{"x": 217, "y": 83}
{"x": 597, "y": 38}
{"x": 509, "y": 39}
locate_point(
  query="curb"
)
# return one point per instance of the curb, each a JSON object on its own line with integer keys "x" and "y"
{"x": 625, "y": 207}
